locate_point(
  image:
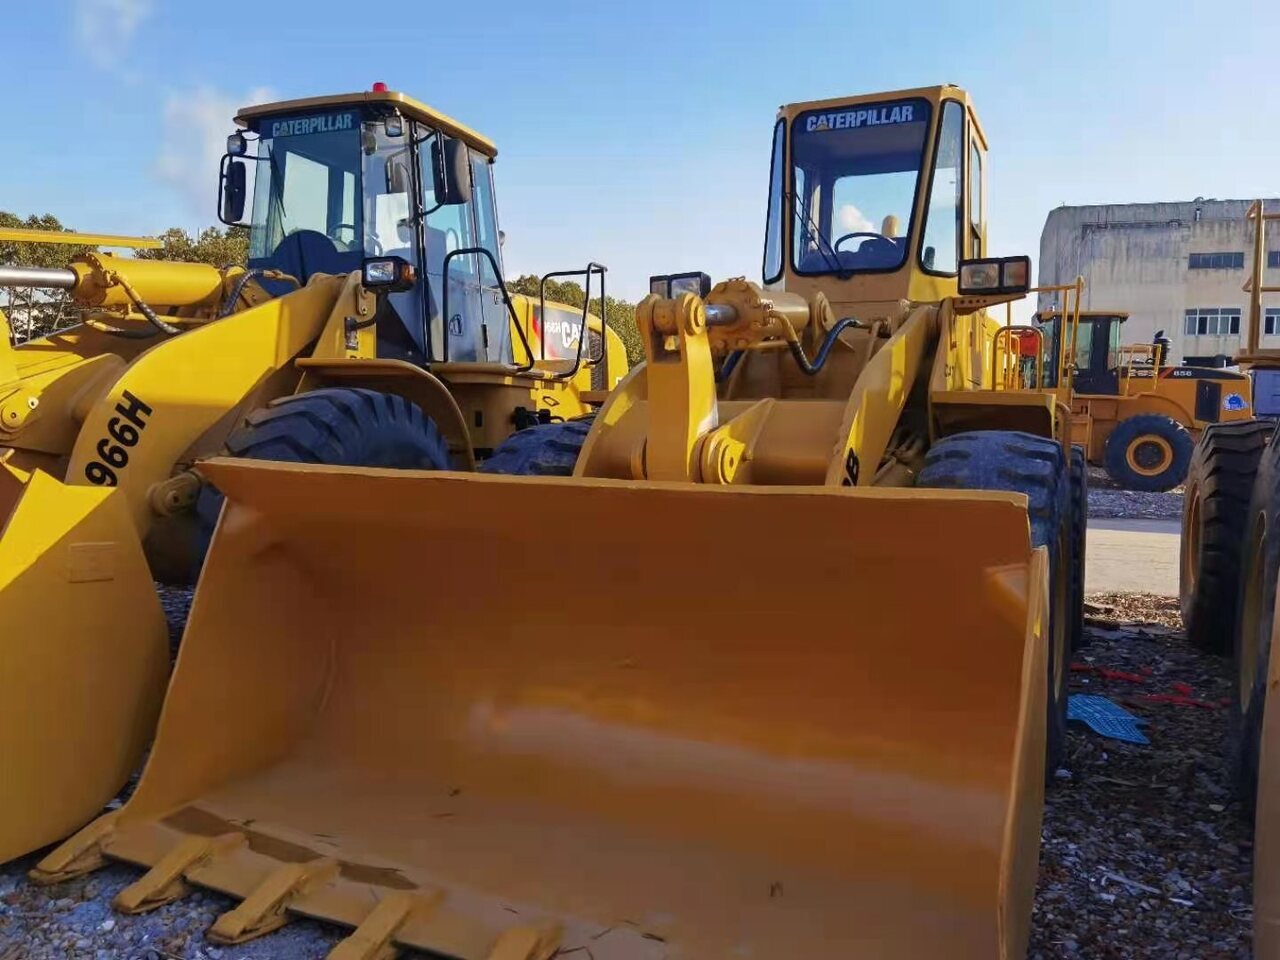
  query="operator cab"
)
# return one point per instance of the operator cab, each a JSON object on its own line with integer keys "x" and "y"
{"x": 876, "y": 199}
{"x": 1097, "y": 357}
{"x": 339, "y": 180}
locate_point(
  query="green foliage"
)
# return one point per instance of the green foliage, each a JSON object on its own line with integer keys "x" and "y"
{"x": 35, "y": 313}
{"x": 37, "y": 254}
{"x": 619, "y": 314}
{"x": 220, "y": 248}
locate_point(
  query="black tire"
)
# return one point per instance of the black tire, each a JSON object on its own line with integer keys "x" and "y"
{"x": 1079, "y": 534}
{"x": 1148, "y": 452}
{"x": 1037, "y": 467}
{"x": 1215, "y": 510}
{"x": 546, "y": 450}
{"x": 1259, "y": 564}
{"x": 338, "y": 426}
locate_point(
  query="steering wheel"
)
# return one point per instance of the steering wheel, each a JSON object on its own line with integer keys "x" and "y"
{"x": 860, "y": 233}
{"x": 333, "y": 234}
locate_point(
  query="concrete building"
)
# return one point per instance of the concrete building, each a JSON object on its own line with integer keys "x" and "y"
{"x": 1177, "y": 267}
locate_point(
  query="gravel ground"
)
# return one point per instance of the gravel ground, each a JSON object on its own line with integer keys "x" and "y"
{"x": 1107, "y": 501}
{"x": 1145, "y": 853}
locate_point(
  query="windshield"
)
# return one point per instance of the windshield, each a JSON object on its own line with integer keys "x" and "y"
{"x": 307, "y": 181}
{"x": 854, "y": 178}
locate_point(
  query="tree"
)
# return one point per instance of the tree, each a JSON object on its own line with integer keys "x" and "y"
{"x": 220, "y": 248}
{"x": 619, "y": 314}
{"x": 34, "y": 313}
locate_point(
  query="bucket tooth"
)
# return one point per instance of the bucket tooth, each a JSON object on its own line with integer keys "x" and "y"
{"x": 166, "y": 881}
{"x": 82, "y": 853}
{"x": 372, "y": 939}
{"x": 527, "y": 943}
{"x": 266, "y": 908}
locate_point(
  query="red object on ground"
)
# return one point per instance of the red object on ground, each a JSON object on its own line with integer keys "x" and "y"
{"x": 1107, "y": 674}
{"x": 1178, "y": 700}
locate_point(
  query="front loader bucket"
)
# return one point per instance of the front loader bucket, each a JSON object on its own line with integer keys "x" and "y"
{"x": 83, "y": 656}
{"x": 492, "y": 717}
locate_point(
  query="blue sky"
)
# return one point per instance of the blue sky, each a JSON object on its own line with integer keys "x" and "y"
{"x": 637, "y": 133}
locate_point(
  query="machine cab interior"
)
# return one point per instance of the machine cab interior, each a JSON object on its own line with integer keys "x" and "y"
{"x": 1096, "y": 360}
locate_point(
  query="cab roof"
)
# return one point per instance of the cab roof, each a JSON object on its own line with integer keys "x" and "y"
{"x": 935, "y": 95}
{"x": 1120, "y": 315}
{"x": 409, "y": 107}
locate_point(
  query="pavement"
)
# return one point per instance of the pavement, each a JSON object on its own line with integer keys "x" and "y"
{"x": 1132, "y": 556}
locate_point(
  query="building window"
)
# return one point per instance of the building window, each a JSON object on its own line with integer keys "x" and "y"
{"x": 1216, "y": 261}
{"x": 1273, "y": 258}
{"x": 1213, "y": 322}
{"x": 1271, "y": 321}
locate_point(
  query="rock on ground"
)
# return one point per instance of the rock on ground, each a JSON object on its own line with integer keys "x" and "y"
{"x": 1108, "y": 501}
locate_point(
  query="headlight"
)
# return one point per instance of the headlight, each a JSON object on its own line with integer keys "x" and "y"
{"x": 388, "y": 274}
{"x": 671, "y": 285}
{"x": 237, "y": 146}
{"x": 988, "y": 277}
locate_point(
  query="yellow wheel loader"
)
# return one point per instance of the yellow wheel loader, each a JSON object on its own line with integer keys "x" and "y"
{"x": 371, "y": 328}
{"x": 1135, "y": 414}
{"x": 790, "y": 699}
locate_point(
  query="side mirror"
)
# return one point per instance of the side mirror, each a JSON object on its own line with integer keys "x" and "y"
{"x": 451, "y": 167}
{"x": 234, "y": 190}
{"x": 397, "y": 176}
{"x": 995, "y": 276}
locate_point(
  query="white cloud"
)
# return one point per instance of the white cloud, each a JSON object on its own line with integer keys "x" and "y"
{"x": 196, "y": 124}
{"x": 103, "y": 29}
{"x": 853, "y": 220}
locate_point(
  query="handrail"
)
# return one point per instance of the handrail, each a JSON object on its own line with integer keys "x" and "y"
{"x": 506, "y": 298}
{"x": 1070, "y": 312}
{"x": 1001, "y": 363}
{"x": 1254, "y": 285}
{"x": 592, "y": 269}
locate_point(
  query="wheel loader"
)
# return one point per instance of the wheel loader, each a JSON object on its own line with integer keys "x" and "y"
{"x": 1132, "y": 412}
{"x": 371, "y": 327}
{"x": 795, "y": 693}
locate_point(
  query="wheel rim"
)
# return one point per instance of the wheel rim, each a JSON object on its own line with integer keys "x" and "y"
{"x": 1251, "y": 617}
{"x": 1149, "y": 455}
{"x": 1191, "y": 542}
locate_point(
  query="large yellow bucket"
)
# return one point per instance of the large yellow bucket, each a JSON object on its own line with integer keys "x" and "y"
{"x": 84, "y": 656}
{"x": 498, "y": 717}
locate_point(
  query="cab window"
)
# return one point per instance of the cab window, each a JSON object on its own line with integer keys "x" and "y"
{"x": 975, "y": 201}
{"x": 773, "y": 222}
{"x": 940, "y": 251}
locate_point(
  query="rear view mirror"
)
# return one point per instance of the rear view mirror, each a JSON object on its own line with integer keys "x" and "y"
{"x": 452, "y": 169}
{"x": 234, "y": 190}
{"x": 397, "y": 175}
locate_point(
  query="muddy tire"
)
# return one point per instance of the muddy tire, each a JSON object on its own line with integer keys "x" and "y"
{"x": 1215, "y": 511}
{"x": 1027, "y": 464}
{"x": 546, "y": 450}
{"x": 338, "y": 426}
{"x": 1148, "y": 452}
{"x": 1259, "y": 564}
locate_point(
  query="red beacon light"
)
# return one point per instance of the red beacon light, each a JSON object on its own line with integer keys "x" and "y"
{"x": 380, "y": 87}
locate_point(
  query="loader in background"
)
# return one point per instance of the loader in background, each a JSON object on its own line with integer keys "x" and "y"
{"x": 1229, "y": 565}
{"x": 371, "y": 327}
{"x": 792, "y": 699}
{"x": 1136, "y": 415}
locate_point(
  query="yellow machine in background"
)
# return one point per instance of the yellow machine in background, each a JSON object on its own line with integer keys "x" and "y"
{"x": 1134, "y": 414}
{"x": 333, "y": 346}
{"x": 796, "y": 690}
